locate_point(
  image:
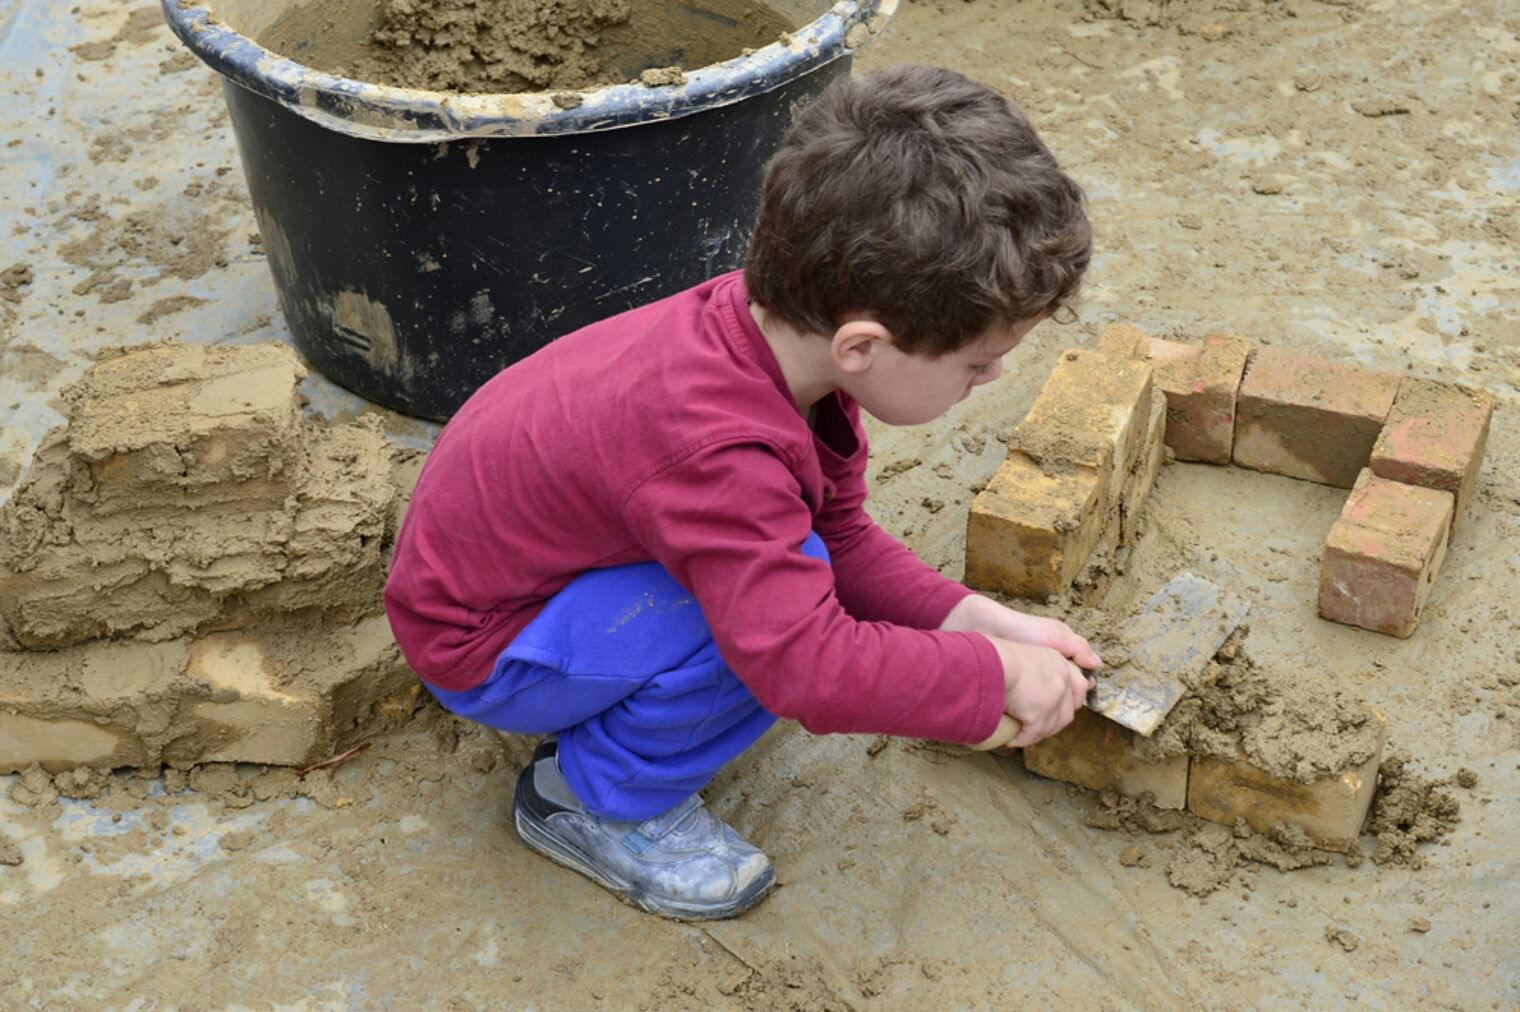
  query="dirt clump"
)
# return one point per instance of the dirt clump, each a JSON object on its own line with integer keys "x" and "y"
{"x": 13, "y": 279}
{"x": 1210, "y": 855}
{"x": 1134, "y": 815}
{"x": 1410, "y": 810}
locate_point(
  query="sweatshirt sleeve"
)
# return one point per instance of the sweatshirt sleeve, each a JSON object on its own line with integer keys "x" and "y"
{"x": 728, "y": 522}
{"x": 876, "y": 576}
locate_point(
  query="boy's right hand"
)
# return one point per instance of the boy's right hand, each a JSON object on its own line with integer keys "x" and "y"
{"x": 1042, "y": 691}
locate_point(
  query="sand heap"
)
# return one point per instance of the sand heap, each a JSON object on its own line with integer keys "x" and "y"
{"x": 191, "y": 570}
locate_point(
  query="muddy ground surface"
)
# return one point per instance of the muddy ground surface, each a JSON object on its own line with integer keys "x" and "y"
{"x": 1336, "y": 178}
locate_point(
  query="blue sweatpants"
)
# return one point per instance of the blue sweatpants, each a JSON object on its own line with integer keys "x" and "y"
{"x": 622, "y": 666}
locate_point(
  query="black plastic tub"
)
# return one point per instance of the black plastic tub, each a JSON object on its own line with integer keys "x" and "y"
{"x": 421, "y": 241}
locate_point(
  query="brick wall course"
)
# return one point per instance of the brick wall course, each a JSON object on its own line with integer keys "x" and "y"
{"x": 1310, "y": 418}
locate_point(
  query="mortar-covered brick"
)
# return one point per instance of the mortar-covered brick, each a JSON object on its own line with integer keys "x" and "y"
{"x": 188, "y": 424}
{"x": 1383, "y": 553}
{"x": 1310, "y": 418}
{"x": 1030, "y": 531}
{"x": 1093, "y": 412}
{"x": 1329, "y": 811}
{"x": 291, "y": 696}
{"x": 1093, "y": 751}
{"x": 1435, "y": 436}
{"x": 1201, "y": 383}
{"x": 68, "y": 575}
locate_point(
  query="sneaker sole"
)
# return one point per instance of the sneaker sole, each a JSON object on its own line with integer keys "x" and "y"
{"x": 536, "y": 837}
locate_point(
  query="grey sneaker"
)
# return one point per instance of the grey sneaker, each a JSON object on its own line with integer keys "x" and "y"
{"x": 685, "y": 863}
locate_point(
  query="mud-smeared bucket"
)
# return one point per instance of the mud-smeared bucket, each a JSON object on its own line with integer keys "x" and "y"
{"x": 422, "y": 240}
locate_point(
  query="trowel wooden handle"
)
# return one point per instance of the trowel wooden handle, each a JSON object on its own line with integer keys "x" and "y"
{"x": 1008, "y": 729}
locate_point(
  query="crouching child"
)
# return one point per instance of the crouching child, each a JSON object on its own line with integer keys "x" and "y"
{"x": 648, "y": 540}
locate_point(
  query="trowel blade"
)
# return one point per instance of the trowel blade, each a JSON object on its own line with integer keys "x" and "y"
{"x": 1169, "y": 640}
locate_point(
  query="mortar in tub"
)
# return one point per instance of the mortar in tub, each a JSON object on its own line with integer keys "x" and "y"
{"x": 422, "y": 240}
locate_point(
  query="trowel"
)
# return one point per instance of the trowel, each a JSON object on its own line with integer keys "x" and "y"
{"x": 1169, "y": 641}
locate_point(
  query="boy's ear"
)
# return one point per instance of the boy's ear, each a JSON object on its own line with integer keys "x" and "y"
{"x": 857, "y": 342}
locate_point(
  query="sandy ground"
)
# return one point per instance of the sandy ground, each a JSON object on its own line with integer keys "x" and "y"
{"x": 1337, "y": 178}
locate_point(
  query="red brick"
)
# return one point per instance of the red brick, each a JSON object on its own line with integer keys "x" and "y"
{"x": 1329, "y": 811}
{"x": 1435, "y": 436}
{"x": 1092, "y": 751}
{"x": 1201, "y": 383}
{"x": 1382, "y": 555}
{"x": 1310, "y": 418}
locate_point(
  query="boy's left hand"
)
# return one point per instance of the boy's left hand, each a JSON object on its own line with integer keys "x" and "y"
{"x": 976, "y": 613}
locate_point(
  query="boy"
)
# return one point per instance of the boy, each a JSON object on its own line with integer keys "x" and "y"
{"x": 646, "y": 541}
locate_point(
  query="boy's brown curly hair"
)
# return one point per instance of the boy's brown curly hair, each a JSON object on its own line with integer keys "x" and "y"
{"x": 923, "y": 198}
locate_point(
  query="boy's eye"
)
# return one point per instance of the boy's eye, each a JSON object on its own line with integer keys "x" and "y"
{"x": 984, "y": 368}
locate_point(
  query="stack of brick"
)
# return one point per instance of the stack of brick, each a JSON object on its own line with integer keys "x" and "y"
{"x": 188, "y": 492}
{"x": 1382, "y": 555}
{"x": 1079, "y": 466}
{"x": 191, "y": 571}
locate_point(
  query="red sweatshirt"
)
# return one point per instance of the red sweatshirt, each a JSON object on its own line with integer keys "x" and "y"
{"x": 669, "y": 433}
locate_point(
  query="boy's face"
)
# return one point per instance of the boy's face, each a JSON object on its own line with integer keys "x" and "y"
{"x": 905, "y": 389}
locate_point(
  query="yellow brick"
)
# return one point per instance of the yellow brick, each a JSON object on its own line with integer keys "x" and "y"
{"x": 1123, "y": 340}
{"x": 1029, "y": 532}
{"x": 60, "y": 744}
{"x": 1330, "y": 811}
{"x": 1143, "y": 475}
{"x": 259, "y": 723}
{"x": 1095, "y": 752}
{"x": 1093, "y": 411}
